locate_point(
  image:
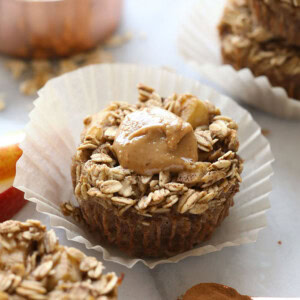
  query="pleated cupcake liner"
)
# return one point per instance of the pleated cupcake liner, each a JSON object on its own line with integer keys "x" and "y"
{"x": 53, "y": 132}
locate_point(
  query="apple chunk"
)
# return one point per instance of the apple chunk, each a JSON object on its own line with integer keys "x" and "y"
{"x": 194, "y": 111}
{"x": 11, "y": 199}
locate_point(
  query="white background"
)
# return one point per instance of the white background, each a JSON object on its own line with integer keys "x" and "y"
{"x": 261, "y": 269}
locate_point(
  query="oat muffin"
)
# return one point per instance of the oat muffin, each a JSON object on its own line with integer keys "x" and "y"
{"x": 212, "y": 291}
{"x": 157, "y": 178}
{"x": 34, "y": 266}
{"x": 248, "y": 45}
{"x": 281, "y": 17}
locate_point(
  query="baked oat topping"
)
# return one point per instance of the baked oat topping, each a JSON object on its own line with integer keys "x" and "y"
{"x": 34, "y": 266}
{"x": 99, "y": 176}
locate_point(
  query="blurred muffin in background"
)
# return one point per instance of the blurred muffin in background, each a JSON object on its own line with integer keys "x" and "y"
{"x": 246, "y": 44}
{"x": 281, "y": 17}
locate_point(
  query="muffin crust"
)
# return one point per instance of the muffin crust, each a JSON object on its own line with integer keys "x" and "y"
{"x": 213, "y": 291}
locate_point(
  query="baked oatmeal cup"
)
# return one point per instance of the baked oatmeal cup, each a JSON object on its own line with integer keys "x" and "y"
{"x": 245, "y": 44}
{"x": 212, "y": 291}
{"x": 34, "y": 266}
{"x": 281, "y": 17}
{"x": 157, "y": 178}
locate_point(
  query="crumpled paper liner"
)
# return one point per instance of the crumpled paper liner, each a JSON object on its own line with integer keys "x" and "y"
{"x": 199, "y": 44}
{"x": 43, "y": 171}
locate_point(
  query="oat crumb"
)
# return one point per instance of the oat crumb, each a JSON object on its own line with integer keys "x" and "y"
{"x": 279, "y": 242}
{"x": 36, "y": 72}
{"x": 2, "y": 103}
{"x": 17, "y": 67}
{"x": 118, "y": 40}
{"x": 142, "y": 35}
{"x": 168, "y": 68}
{"x": 265, "y": 132}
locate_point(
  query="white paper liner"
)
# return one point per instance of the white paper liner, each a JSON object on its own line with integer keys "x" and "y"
{"x": 199, "y": 44}
{"x": 43, "y": 172}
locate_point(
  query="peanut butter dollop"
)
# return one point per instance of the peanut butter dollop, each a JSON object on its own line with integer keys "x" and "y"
{"x": 213, "y": 291}
{"x": 153, "y": 139}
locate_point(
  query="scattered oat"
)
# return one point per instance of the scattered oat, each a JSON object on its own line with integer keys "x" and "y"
{"x": 2, "y": 103}
{"x": 168, "y": 68}
{"x": 118, "y": 40}
{"x": 37, "y": 72}
{"x": 142, "y": 35}
{"x": 279, "y": 242}
{"x": 17, "y": 67}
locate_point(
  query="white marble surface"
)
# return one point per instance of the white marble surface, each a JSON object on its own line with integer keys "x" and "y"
{"x": 261, "y": 269}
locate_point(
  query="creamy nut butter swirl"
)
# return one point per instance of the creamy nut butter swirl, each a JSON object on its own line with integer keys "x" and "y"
{"x": 153, "y": 139}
